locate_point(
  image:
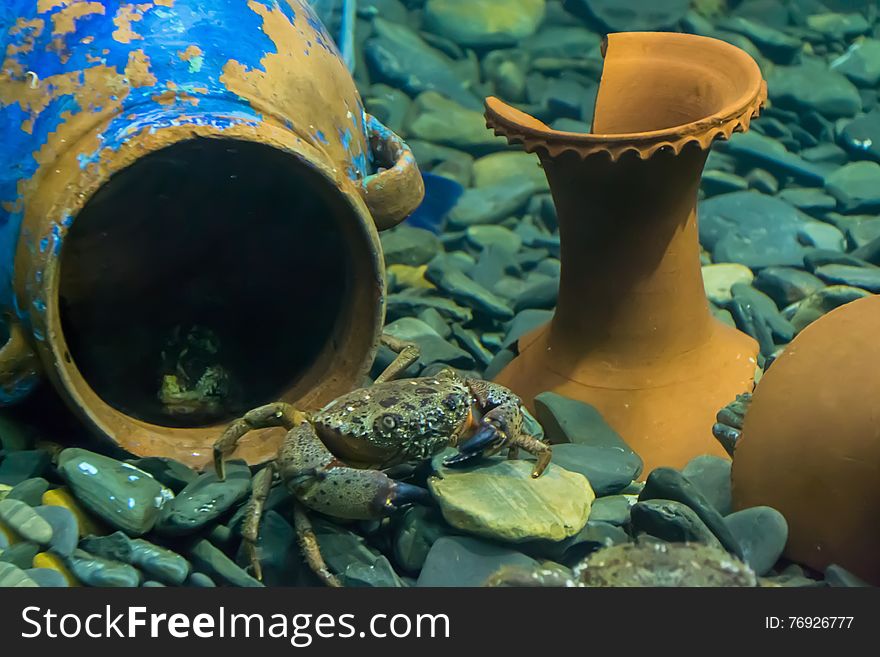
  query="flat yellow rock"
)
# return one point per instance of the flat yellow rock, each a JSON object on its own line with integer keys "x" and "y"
{"x": 53, "y": 561}
{"x": 411, "y": 276}
{"x": 500, "y": 500}
{"x": 88, "y": 526}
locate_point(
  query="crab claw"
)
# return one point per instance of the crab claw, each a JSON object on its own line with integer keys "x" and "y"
{"x": 487, "y": 440}
{"x": 402, "y": 494}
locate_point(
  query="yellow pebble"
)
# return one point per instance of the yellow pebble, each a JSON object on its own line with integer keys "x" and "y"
{"x": 53, "y": 561}
{"x": 87, "y": 524}
{"x": 10, "y": 534}
{"x": 4, "y": 490}
{"x": 411, "y": 276}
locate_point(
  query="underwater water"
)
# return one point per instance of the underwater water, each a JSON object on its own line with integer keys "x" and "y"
{"x": 252, "y": 294}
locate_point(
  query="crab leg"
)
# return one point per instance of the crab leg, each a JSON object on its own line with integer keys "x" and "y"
{"x": 407, "y": 354}
{"x": 277, "y": 414}
{"x": 253, "y": 514}
{"x": 311, "y": 551}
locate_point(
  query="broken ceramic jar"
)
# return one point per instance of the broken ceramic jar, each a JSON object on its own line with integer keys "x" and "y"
{"x": 632, "y": 333}
{"x": 172, "y": 167}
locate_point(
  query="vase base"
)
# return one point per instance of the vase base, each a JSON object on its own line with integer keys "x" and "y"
{"x": 666, "y": 423}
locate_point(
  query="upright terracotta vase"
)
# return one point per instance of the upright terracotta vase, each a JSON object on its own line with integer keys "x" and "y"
{"x": 632, "y": 333}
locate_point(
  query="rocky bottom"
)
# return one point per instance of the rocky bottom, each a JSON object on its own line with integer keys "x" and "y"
{"x": 74, "y": 517}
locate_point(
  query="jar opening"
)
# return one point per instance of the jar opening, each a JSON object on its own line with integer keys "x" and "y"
{"x": 205, "y": 279}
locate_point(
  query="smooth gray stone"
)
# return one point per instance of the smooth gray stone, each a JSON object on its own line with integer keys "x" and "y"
{"x": 399, "y": 56}
{"x": 812, "y": 86}
{"x": 25, "y": 521}
{"x": 406, "y": 245}
{"x": 29, "y": 491}
{"x": 120, "y": 494}
{"x": 204, "y": 500}
{"x": 670, "y": 484}
{"x": 838, "y": 576}
{"x": 11, "y": 576}
{"x": 65, "y": 529}
{"x": 459, "y": 561}
{"x": 861, "y": 277}
{"x": 21, "y": 554}
{"x": 525, "y": 322}
{"x": 97, "y": 571}
{"x": 762, "y": 532}
{"x": 468, "y": 293}
{"x": 173, "y": 474}
{"x": 200, "y": 580}
{"x": 786, "y": 285}
{"x": 210, "y": 560}
{"x": 357, "y": 564}
{"x": 671, "y": 521}
{"x": 47, "y": 578}
{"x": 585, "y": 443}
{"x": 613, "y": 509}
{"x": 19, "y": 465}
{"x": 711, "y": 476}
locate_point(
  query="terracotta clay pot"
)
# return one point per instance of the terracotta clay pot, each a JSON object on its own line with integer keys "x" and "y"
{"x": 632, "y": 333}
{"x": 182, "y": 163}
{"x": 810, "y": 445}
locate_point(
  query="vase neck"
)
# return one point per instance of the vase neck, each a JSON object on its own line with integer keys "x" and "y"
{"x": 631, "y": 287}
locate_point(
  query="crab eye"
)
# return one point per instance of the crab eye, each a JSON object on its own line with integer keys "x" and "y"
{"x": 388, "y": 422}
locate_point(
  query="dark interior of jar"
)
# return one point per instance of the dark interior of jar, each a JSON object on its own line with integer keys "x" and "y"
{"x": 203, "y": 281}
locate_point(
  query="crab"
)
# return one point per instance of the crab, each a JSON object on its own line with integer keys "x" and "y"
{"x": 334, "y": 460}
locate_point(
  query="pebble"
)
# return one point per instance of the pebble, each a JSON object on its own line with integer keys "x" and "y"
{"x": 860, "y": 63}
{"x": 21, "y": 518}
{"x": 499, "y": 499}
{"x": 492, "y": 203}
{"x": 206, "y": 558}
{"x": 123, "y": 496}
{"x": 463, "y": 290}
{"x": 824, "y": 301}
{"x": 840, "y": 577}
{"x": 595, "y": 450}
{"x": 613, "y": 509}
{"x": 718, "y": 279}
{"x": 857, "y": 186}
{"x": 29, "y": 491}
{"x": 812, "y": 86}
{"x": 734, "y": 228}
{"x": 866, "y": 278}
{"x": 401, "y": 57}
{"x": 671, "y": 521}
{"x": 204, "y": 500}
{"x": 436, "y": 118}
{"x": 13, "y": 577}
{"x": 461, "y": 561}
{"x": 157, "y": 562}
{"x": 20, "y": 465}
{"x": 20, "y": 554}
{"x": 762, "y": 533}
{"x": 96, "y": 571}
{"x": 418, "y": 530}
{"x": 47, "y": 578}
{"x": 49, "y": 561}
{"x": 630, "y": 15}
{"x": 86, "y": 524}
{"x": 711, "y": 476}
{"x": 405, "y": 245}
{"x": 65, "y": 531}
{"x": 670, "y": 484}
{"x": 168, "y": 472}
{"x": 356, "y": 563}
{"x": 200, "y": 580}
{"x": 786, "y": 285}
{"x": 484, "y": 23}
{"x": 861, "y": 136}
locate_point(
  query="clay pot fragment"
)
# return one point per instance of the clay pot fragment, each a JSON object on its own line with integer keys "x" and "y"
{"x": 810, "y": 444}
